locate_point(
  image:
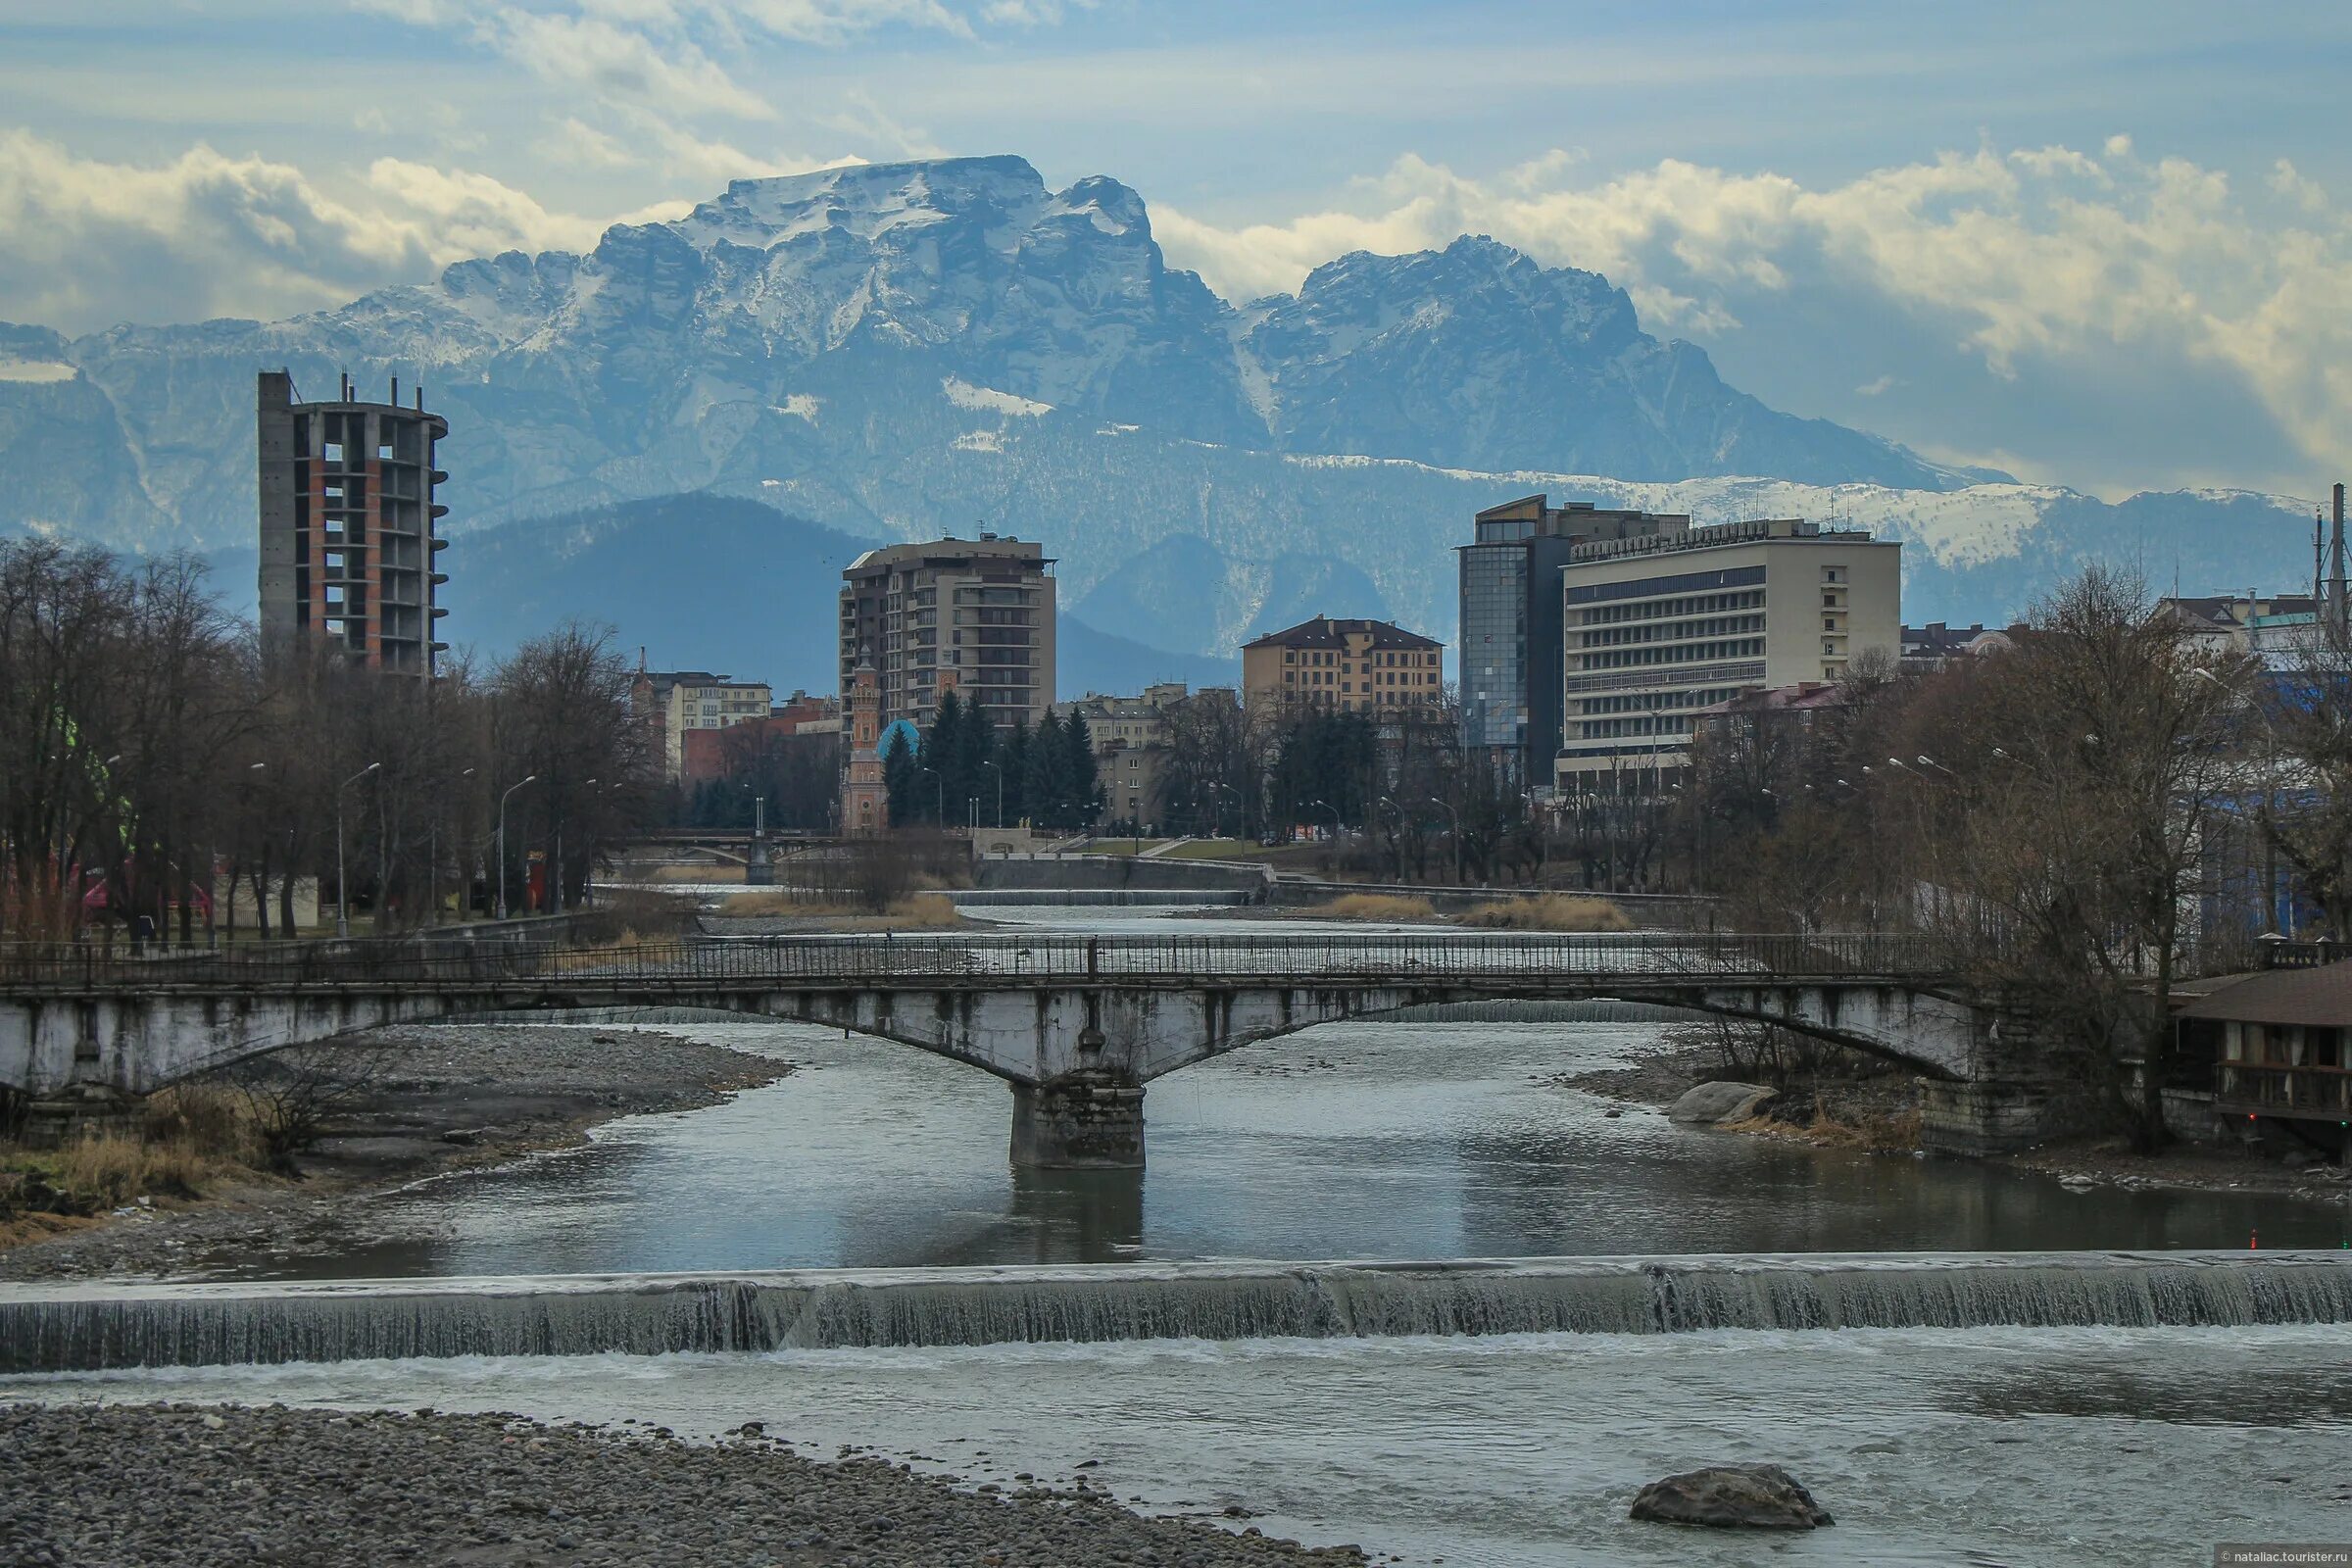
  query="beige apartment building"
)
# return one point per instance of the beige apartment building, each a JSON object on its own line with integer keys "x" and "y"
{"x": 683, "y": 700}
{"x": 1656, "y": 629}
{"x": 1348, "y": 666}
{"x": 971, "y": 616}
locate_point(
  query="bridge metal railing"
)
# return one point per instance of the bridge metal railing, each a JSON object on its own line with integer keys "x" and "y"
{"x": 992, "y": 958}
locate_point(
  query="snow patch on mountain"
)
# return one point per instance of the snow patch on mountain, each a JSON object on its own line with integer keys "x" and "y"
{"x": 987, "y": 399}
{"x": 797, "y": 406}
{"x": 978, "y": 441}
{"x": 37, "y": 371}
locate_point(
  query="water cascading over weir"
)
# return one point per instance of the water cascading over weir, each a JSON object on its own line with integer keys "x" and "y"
{"x": 81, "y": 1327}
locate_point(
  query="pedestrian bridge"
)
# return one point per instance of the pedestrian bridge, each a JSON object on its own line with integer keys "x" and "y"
{"x": 1077, "y": 1025}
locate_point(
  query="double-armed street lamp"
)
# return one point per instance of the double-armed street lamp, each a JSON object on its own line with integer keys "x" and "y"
{"x": 342, "y": 884}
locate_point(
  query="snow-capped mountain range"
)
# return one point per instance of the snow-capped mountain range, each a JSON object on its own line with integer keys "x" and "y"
{"x": 906, "y": 349}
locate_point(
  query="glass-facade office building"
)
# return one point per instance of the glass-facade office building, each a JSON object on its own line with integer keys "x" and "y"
{"x": 1512, "y": 625}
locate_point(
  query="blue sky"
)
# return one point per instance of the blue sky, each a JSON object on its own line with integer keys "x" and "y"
{"x": 2102, "y": 245}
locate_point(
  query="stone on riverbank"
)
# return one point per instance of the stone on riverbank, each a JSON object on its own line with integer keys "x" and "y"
{"x": 1720, "y": 1101}
{"x": 1733, "y": 1496}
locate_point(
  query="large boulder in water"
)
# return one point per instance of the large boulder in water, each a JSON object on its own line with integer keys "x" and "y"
{"x": 1723, "y": 1101}
{"x": 1732, "y": 1496}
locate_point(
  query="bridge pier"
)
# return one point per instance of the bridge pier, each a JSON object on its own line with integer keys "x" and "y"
{"x": 1088, "y": 1118}
{"x": 1988, "y": 1116}
{"x": 81, "y": 1111}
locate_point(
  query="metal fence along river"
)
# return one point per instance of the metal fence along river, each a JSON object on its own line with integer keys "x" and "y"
{"x": 1435, "y": 957}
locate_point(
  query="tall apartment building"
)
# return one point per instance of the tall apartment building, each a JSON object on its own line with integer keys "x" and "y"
{"x": 971, "y": 616}
{"x": 1661, "y": 626}
{"x": 681, "y": 701}
{"x": 348, "y": 539}
{"x": 1348, "y": 666}
{"x": 1510, "y": 669}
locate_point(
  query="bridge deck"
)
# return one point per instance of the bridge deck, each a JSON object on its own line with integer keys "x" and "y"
{"x": 986, "y": 962}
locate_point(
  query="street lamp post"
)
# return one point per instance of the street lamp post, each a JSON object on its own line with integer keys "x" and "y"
{"x": 501, "y": 839}
{"x": 999, "y": 772}
{"x": 1396, "y": 839}
{"x": 432, "y": 851}
{"x": 556, "y": 898}
{"x": 237, "y": 856}
{"x": 342, "y": 884}
{"x": 1457, "y": 818}
{"x": 1335, "y": 817}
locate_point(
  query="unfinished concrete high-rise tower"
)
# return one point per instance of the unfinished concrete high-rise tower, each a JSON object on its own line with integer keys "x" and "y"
{"x": 348, "y": 519}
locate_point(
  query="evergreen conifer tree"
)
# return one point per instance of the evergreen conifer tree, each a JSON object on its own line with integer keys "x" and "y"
{"x": 1082, "y": 787}
{"x": 901, "y": 775}
{"x": 1042, "y": 773}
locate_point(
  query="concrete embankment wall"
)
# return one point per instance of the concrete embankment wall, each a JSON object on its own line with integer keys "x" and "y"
{"x": 1671, "y": 912}
{"x": 1115, "y": 871}
{"x": 62, "y": 1328}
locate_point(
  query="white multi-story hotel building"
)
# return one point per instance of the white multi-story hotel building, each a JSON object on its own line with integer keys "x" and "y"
{"x": 1656, "y": 629}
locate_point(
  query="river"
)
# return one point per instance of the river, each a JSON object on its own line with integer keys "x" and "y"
{"x": 1393, "y": 1141}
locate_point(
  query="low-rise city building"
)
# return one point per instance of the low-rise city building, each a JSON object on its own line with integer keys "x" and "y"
{"x": 1935, "y": 645}
{"x": 684, "y": 701}
{"x": 1332, "y": 664}
{"x": 1132, "y": 743}
{"x": 712, "y": 753}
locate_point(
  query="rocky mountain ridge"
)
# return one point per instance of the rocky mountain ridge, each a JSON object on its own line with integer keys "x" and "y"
{"x": 900, "y": 351}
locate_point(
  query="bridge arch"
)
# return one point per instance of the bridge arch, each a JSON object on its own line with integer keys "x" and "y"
{"x": 1924, "y": 1031}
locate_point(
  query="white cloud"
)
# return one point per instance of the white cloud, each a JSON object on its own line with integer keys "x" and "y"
{"x": 2040, "y": 253}
{"x": 1877, "y": 386}
{"x": 621, "y": 63}
{"x": 85, "y": 243}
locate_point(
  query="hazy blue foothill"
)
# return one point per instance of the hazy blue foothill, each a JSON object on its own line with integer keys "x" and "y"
{"x": 895, "y": 351}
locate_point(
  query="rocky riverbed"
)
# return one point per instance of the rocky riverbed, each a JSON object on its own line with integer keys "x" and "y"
{"x": 1861, "y": 1107}
{"x": 191, "y": 1487}
{"x": 419, "y": 1100}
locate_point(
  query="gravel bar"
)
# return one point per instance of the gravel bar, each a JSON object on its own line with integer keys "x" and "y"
{"x": 180, "y": 1486}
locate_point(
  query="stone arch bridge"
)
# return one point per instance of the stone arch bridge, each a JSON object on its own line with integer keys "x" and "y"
{"x": 1076, "y": 1025}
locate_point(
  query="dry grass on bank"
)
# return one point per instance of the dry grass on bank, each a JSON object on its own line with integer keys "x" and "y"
{"x": 918, "y": 912}
{"x": 724, "y": 873}
{"x": 596, "y": 954}
{"x": 1548, "y": 911}
{"x": 770, "y": 901}
{"x": 1372, "y": 907}
{"x": 191, "y": 1139}
{"x": 1890, "y": 1133}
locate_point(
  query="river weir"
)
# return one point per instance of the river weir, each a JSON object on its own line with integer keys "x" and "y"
{"x": 50, "y": 1329}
